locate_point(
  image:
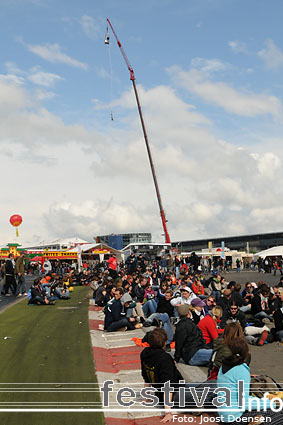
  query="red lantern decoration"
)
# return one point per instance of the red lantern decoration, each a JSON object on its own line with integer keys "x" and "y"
{"x": 16, "y": 220}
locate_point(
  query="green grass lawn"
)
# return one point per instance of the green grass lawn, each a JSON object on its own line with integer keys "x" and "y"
{"x": 49, "y": 347}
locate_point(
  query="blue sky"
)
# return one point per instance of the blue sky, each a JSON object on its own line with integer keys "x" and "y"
{"x": 209, "y": 75}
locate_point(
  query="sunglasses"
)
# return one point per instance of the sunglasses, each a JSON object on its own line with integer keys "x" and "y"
{"x": 233, "y": 308}
{"x": 248, "y": 287}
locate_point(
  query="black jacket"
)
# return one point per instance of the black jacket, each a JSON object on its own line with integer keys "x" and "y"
{"x": 227, "y": 317}
{"x": 278, "y": 320}
{"x": 158, "y": 367}
{"x": 113, "y": 313}
{"x": 36, "y": 291}
{"x": 138, "y": 293}
{"x": 188, "y": 339}
{"x": 238, "y": 299}
{"x": 223, "y": 302}
{"x": 165, "y": 307}
{"x": 100, "y": 299}
{"x": 256, "y": 305}
{"x": 9, "y": 268}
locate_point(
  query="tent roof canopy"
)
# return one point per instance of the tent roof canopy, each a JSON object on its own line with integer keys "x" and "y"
{"x": 96, "y": 246}
{"x": 275, "y": 251}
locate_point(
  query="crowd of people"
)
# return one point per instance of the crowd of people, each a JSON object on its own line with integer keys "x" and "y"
{"x": 210, "y": 321}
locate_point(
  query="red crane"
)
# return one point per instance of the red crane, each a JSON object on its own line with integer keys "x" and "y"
{"x": 133, "y": 79}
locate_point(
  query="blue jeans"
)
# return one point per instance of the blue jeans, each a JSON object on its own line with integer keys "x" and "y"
{"x": 216, "y": 295}
{"x": 263, "y": 315}
{"x": 177, "y": 271}
{"x": 279, "y": 335}
{"x": 165, "y": 319}
{"x": 245, "y": 308}
{"x": 149, "y": 307}
{"x": 58, "y": 293}
{"x": 21, "y": 284}
{"x": 120, "y": 324}
{"x": 201, "y": 357}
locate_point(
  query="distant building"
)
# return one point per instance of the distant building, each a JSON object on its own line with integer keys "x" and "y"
{"x": 248, "y": 243}
{"x": 119, "y": 241}
{"x": 58, "y": 244}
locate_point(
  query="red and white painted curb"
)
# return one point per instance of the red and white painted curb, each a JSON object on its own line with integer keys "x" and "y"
{"x": 117, "y": 358}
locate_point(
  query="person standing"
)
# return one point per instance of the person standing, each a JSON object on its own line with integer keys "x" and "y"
{"x": 20, "y": 273}
{"x": 112, "y": 266}
{"x": 10, "y": 276}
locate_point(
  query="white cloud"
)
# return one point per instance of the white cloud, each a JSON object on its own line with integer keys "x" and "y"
{"x": 92, "y": 218}
{"x": 45, "y": 79}
{"x": 53, "y": 53}
{"x": 90, "y": 26}
{"x": 44, "y": 94}
{"x": 271, "y": 55}
{"x": 12, "y": 96}
{"x": 209, "y": 187}
{"x": 238, "y": 46}
{"x": 268, "y": 164}
{"x": 234, "y": 101}
{"x": 209, "y": 65}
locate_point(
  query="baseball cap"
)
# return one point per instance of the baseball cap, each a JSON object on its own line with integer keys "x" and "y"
{"x": 186, "y": 288}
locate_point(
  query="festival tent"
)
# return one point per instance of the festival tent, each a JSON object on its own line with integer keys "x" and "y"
{"x": 275, "y": 251}
{"x": 97, "y": 249}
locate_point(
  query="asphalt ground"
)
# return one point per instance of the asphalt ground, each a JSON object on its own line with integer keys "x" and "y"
{"x": 267, "y": 359}
{"x": 6, "y": 302}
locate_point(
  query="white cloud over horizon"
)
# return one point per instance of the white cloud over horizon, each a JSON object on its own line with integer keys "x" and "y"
{"x": 87, "y": 182}
{"x": 239, "y": 102}
{"x": 52, "y": 52}
{"x": 271, "y": 55}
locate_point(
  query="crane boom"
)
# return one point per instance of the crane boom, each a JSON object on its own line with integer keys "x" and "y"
{"x": 133, "y": 79}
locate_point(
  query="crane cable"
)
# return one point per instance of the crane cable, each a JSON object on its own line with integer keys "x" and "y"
{"x": 107, "y": 41}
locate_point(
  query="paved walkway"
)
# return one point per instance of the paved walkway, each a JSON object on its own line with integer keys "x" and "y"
{"x": 117, "y": 358}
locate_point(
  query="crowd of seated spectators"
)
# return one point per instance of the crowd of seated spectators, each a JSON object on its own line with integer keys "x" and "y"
{"x": 211, "y": 321}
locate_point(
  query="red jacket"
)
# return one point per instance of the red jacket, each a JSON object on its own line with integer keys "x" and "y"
{"x": 198, "y": 289}
{"x": 112, "y": 263}
{"x": 209, "y": 330}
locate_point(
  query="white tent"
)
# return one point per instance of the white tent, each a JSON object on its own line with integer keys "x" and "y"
{"x": 275, "y": 251}
{"x": 96, "y": 247}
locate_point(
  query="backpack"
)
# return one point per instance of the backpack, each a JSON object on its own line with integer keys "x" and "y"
{"x": 263, "y": 384}
{"x": 29, "y": 294}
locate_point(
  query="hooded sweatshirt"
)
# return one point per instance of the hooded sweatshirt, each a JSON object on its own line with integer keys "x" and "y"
{"x": 158, "y": 367}
{"x": 228, "y": 377}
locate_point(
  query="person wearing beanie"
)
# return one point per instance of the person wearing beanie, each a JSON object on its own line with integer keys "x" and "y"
{"x": 197, "y": 310}
{"x": 189, "y": 342}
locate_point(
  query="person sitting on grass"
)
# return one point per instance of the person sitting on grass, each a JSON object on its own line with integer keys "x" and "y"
{"x": 61, "y": 290}
{"x": 38, "y": 295}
